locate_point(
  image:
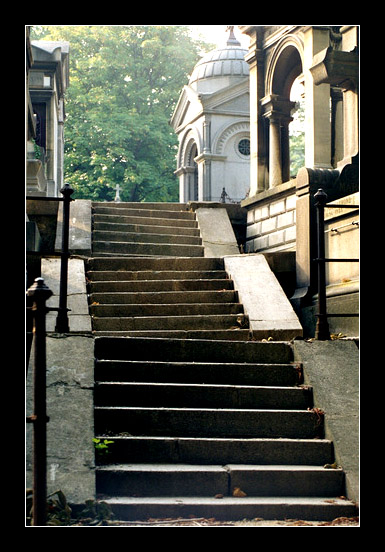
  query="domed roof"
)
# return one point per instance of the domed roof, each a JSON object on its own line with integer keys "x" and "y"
{"x": 226, "y": 61}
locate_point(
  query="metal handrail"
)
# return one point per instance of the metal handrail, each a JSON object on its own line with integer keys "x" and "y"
{"x": 322, "y": 327}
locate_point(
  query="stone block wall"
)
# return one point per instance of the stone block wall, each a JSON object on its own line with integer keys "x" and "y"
{"x": 271, "y": 220}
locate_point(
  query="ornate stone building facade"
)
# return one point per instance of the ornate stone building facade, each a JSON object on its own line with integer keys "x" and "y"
{"x": 280, "y": 210}
{"x": 212, "y": 123}
{"x": 48, "y": 79}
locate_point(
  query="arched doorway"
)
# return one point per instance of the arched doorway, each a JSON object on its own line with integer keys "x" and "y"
{"x": 283, "y": 71}
{"x": 193, "y": 179}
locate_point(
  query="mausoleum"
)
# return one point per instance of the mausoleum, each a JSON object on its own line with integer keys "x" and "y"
{"x": 211, "y": 120}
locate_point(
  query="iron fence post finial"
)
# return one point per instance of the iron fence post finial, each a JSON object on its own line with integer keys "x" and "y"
{"x": 62, "y": 324}
{"x": 39, "y": 293}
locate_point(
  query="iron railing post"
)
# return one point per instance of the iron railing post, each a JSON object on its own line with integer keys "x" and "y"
{"x": 39, "y": 294}
{"x": 322, "y": 326}
{"x": 62, "y": 324}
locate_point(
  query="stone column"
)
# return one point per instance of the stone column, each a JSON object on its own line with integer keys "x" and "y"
{"x": 317, "y": 103}
{"x": 277, "y": 111}
{"x": 275, "y": 158}
{"x": 206, "y": 137}
{"x": 258, "y": 149}
{"x": 185, "y": 174}
{"x": 341, "y": 69}
{"x": 337, "y": 123}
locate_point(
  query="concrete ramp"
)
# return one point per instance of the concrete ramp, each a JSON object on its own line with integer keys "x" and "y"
{"x": 269, "y": 310}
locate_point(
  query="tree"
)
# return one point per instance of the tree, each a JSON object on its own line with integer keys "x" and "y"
{"x": 124, "y": 83}
{"x": 297, "y": 139}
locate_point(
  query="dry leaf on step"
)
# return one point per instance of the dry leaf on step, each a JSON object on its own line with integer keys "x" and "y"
{"x": 238, "y": 492}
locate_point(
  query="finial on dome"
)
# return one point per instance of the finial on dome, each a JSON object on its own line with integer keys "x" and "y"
{"x": 232, "y": 41}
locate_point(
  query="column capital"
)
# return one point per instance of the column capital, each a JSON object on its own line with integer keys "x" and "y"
{"x": 277, "y": 108}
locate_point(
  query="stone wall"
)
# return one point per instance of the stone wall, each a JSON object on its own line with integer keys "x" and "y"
{"x": 271, "y": 220}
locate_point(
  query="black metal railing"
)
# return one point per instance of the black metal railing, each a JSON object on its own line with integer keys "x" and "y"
{"x": 322, "y": 327}
{"x": 39, "y": 293}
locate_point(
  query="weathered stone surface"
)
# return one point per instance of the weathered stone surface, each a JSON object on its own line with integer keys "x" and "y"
{"x": 70, "y": 450}
{"x": 270, "y": 312}
{"x": 332, "y": 368}
{"x": 218, "y": 236}
{"x": 79, "y": 319}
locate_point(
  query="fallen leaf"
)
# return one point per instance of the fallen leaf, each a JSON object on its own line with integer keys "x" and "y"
{"x": 333, "y": 466}
{"x": 219, "y": 495}
{"x": 238, "y": 492}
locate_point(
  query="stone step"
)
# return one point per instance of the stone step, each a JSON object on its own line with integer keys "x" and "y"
{"x": 136, "y": 275}
{"x": 216, "y": 450}
{"x": 201, "y": 395}
{"x": 155, "y": 264}
{"x": 185, "y": 309}
{"x": 208, "y": 335}
{"x": 232, "y": 508}
{"x": 144, "y": 237}
{"x": 155, "y": 480}
{"x": 112, "y": 226}
{"x": 141, "y": 218}
{"x": 164, "y": 323}
{"x": 146, "y": 249}
{"x": 198, "y": 372}
{"x": 209, "y": 422}
{"x": 164, "y": 297}
{"x": 192, "y": 350}
{"x": 116, "y": 206}
{"x": 134, "y": 211}
{"x": 160, "y": 285}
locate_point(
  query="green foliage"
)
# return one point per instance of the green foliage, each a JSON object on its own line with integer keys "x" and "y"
{"x": 125, "y": 81}
{"x": 101, "y": 447}
{"x": 297, "y": 139}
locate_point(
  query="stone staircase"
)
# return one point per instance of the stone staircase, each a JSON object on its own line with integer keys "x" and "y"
{"x": 204, "y": 421}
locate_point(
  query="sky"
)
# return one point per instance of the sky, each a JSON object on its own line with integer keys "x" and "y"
{"x": 217, "y": 34}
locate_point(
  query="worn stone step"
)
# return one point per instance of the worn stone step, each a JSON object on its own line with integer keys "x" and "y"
{"x": 209, "y": 422}
{"x": 165, "y": 297}
{"x": 227, "y": 373}
{"x": 160, "y": 285}
{"x": 210, "y": 480}
{"x": 141, "y": 218}
{"x": 185, "y": 309}
{"x": 195, "y": 322}
{"x": 201, "y": 395}
{"x": 194, "y": 350}
{"x": 217, "y": 450}
{"x": 161, "y": 206}
{"x": 112, "y": 226}
{"x": 154, "y": 264}
{"x": 148, "y": 249}
{"x": 232, "y": 508}
{"x": 208, "y": 335}
{"x": 134, "y": 211}
{"x": 144, "y": 237}
{"x": 138, "y": 275}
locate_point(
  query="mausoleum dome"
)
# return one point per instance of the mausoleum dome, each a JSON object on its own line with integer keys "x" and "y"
{"x": 222, "y": 64}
